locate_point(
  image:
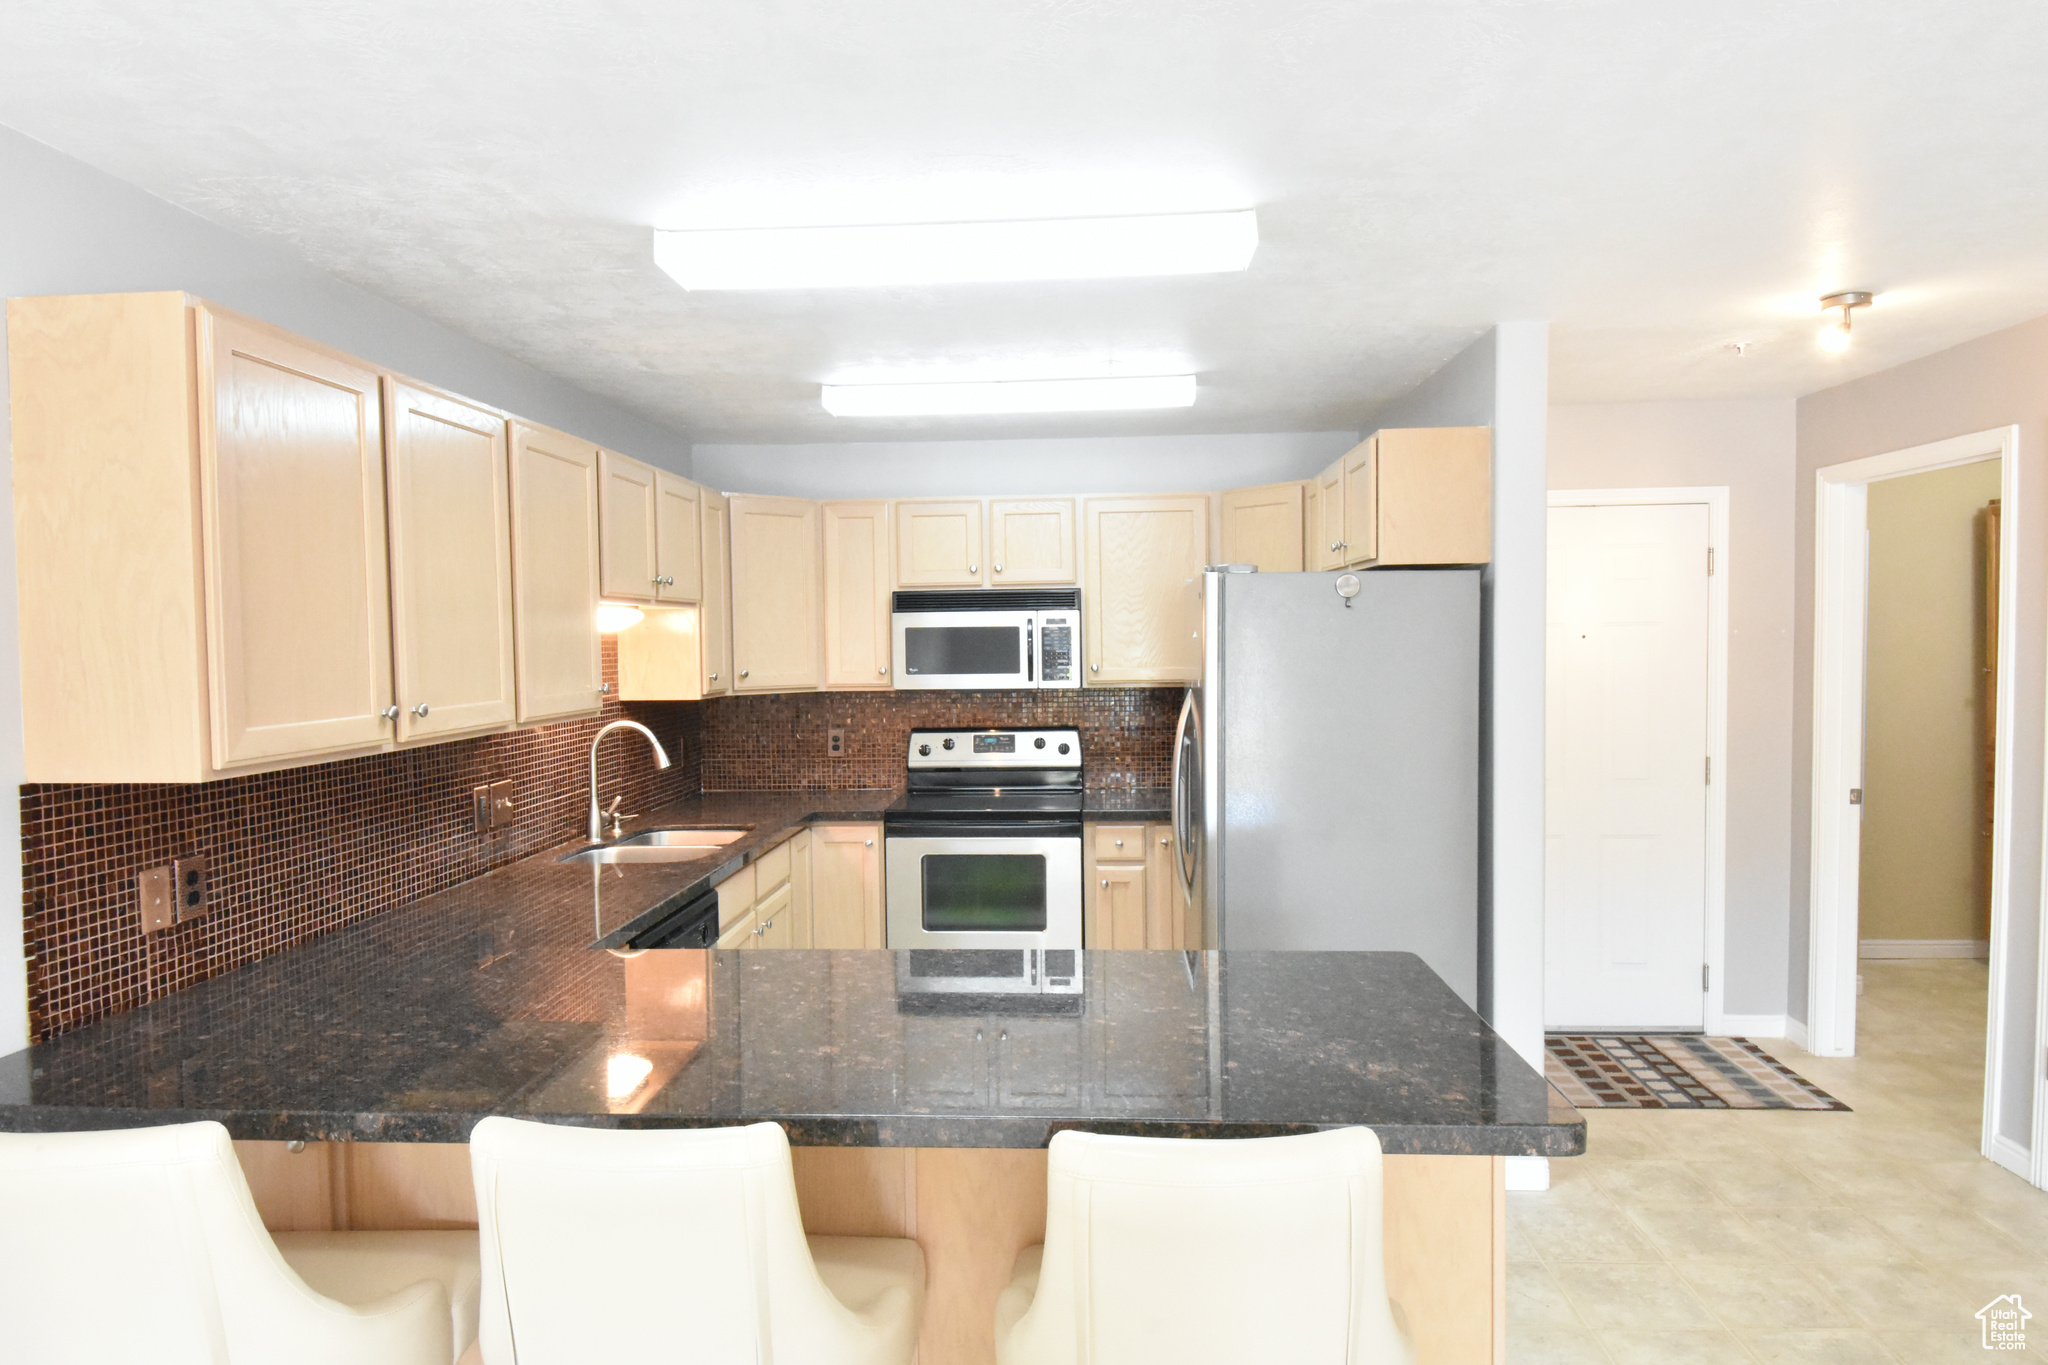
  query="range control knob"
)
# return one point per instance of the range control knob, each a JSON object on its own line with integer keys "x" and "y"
{"x": 949, "y": 744}
{"x": 924, "y": 750}
{"x": 1039, "y": 742}
{"x": 1063, "y": 748}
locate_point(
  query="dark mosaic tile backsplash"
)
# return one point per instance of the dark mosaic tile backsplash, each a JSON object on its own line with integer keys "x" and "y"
{"x": 295, "y": 854}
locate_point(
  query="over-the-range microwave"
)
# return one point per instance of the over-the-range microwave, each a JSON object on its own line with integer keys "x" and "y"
{"x": 987, "y": 638}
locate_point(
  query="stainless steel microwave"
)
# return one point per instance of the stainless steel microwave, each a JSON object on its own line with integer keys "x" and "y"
{"x": 987, "y": 638}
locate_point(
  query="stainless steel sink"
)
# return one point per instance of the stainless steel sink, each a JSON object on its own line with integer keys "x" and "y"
{"x": 660, "y": 846}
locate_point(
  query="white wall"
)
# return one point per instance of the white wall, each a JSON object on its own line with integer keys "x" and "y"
{"x": 1104, "y": 464}
{"x": 68, "y": 229}
{"x": 1502, "y": 380}
{"x": 1746, "y": 445}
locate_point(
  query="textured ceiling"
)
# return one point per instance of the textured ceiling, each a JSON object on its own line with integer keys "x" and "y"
{"x": 1659, "y": 180}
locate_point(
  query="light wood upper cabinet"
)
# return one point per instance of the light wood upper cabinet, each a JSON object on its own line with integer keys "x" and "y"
{"x": 1434, "y": 496}
{"x": 628, "y": 540}
{"x": 556, "y": 651}
{"x": 714, "y": 616}
{"x": 856, "y": 545}
{"x": 678, "y": 533}
{"x": 846, "y": 886}
{"x": 938, "y": 544}
{"x": 1326, "y": 539}
{"x": 1264, "y": 526}
{"x": 1361, "y": 503}
{"x": 775, "y": 590}
{"x": 1030, "y": 541}
{"x": 451, "y": 563}
{"x": 1143, "y": 598}
{"x": 291, "y": 480}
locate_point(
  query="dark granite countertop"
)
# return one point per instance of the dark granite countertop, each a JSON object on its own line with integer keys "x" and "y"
{"x": 488, "y": 999}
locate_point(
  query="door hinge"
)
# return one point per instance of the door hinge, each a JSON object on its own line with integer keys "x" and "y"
{"x": 1710, "y": 770}
{"x": 1704, "y": 969}
{"x": 1855, "y": 796}
{"x": 1710, "y": 561}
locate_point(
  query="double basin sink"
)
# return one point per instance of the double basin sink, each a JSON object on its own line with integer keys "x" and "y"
{"x": 660, "y": 846}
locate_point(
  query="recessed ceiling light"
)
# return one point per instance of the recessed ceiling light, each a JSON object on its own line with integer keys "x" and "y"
{"x": 1835, "y": 335}
{"x": 1010, "y": 395}
{"x": 958, "y": 253}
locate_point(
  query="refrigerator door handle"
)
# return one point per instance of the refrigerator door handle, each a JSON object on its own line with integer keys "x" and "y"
{"x": 1186, "y": 733}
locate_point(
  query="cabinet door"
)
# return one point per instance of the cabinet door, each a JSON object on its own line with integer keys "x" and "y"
{"x": 1326, "y": 547}
{"x": 1435, "y": 496}
{"x": 1037, "y": 1062}
{"x": 555, "y": 657}
{"x": 626, "y": 512}
{"x": 714, "y": 615}
{"x": 772, "y": 916}
{"x": 736, "y": 898}
{"x": 1264, "y": 526}
{"x": 298, "y": 599}
{"x": 1117, "y": 917}
{"x": 1030, "y": 542}
{"x": 938, "y": 544}
{"x": 1166, "y": 898}
{"x": 741, "y": 933}
{"x": 1361, "y": 503}
{"x": 800, "y": 890}
{"x": 774, "y": 594}
{"x": 678, "y": 531}
{"x": 846, "y": 886}
{"x": 451, "y": 563}
{"x": 1143, "y": 601}
{"x": 856, "y": 536}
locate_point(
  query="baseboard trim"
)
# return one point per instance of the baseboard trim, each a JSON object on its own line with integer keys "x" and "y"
{"x": 1795, "y": 1032}
{"x": 1747, "y": 1026}
{"x": 1528, "y": 1173}
{"x": 2002, "y": 1150}
{"x": 1881, "y": 948}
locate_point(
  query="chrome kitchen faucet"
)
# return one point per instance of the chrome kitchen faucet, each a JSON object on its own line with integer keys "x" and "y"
{"x": 597, "y": 817}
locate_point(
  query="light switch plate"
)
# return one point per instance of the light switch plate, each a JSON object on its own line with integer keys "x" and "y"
{"x": 194, "y": 891}
{"x": 492, "y": 806}
{"x": 153, "y": 899}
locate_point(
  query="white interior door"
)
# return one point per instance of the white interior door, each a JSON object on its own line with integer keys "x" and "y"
{"x": 1626, "y": 780}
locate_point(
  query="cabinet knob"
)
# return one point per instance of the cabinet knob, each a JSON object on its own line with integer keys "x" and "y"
{"x": 977, "y": 1035}
{"x": 1105, "y": 883}
{"x": 714, "y": 677}
{"x": 1095, "y": 668}
{"x": 1164, "y": 841}
{"x": 999, "y": 567}
{"x": 974, "y": 568}
{"x": 389, "y": 713}
{"x": 1119, "y": 843}
{"x": 743, "y": 673}
{"x": 420, "y": 710}
{"x": 1003, "y": 1037}
{"x": 883, "y": 671}
{"x": 871, "y": 843}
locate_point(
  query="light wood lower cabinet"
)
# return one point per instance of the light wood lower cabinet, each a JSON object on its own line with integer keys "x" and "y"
{"x": 1264, "y": 526}
{"x": 451, "y": 563}
{"x": 772, "y": 919}
{"x": 856, "y": 564}
{"x": 741, "y": 933}
{"x": 846, "y": 886}
{"x": 1132, "y": 892}
{"x": 1142, "y": 606}
{"x": 800, "y": 933}
{"x": 556, "y": 649}
{"x": 775, "y": 588}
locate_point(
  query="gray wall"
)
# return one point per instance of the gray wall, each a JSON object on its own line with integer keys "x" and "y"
{"x": 1746, "y": 445}
{"x": 66, "y": 228}
{"x": 1104, "y": 464}
{"x": 1502, "y": 381}
{"x": 1994, "y": 381}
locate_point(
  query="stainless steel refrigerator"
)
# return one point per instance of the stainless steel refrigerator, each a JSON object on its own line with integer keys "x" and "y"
{"x": 1327, "y": 771}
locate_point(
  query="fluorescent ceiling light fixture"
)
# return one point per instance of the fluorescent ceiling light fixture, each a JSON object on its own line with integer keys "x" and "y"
{"x": 1010, "y": 395}
{"x": 958, "y": 253}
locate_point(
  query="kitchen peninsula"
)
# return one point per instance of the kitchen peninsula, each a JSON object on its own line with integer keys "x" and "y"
{"x": 381, "y": 1045}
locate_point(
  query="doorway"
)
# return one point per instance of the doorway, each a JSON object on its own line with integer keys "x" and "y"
{"x": 1842, "y": 769}
{"x": 1636, "y": 608}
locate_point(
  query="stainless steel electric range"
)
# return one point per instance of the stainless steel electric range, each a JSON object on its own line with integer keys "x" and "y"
{"x": 985, "y": 850}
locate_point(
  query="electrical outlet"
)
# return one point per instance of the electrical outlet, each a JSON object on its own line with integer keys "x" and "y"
{"x": 153, "y": 900}
{"x": 194, "y": 894}
{"x": 491, "y": 806}
{"x": 835, "y": 743}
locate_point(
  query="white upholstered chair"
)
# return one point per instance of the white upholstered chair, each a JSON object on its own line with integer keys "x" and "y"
{"x": 1206, "y": 1253}
{"x": 144, "y": 1245}
{"x": 675, "y": 1245}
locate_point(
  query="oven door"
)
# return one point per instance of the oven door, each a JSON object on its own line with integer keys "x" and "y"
{"x": 971, "y": 649}
{"x": 983, "y": 888}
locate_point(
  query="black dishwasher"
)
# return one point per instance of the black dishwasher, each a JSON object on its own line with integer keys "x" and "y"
{"x": 693, "y": 926}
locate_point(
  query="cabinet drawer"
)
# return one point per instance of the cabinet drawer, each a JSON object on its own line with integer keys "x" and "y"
{"x": 735, "y": 896}
{"x": 771, "y": 870}
{"x": 1119, "y": 843}
{"x": 738, "y": 934}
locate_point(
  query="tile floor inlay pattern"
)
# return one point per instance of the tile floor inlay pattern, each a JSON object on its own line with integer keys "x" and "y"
{"x": 1675, "y": 1071}
{"x": 1753, "y": 1237}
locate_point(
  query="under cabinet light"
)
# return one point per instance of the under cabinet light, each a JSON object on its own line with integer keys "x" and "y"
{"x": 624, "y": 1073}
{"x": 1010, "y": 395}
{"x": 613, "y": 617}
{"x": 958, "y": 253}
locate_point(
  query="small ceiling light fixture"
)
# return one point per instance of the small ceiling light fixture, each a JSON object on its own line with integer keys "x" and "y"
{"x": 958, "y": 253}
{"x": 1835, "y": 335}
{"x": 960, "y": 399}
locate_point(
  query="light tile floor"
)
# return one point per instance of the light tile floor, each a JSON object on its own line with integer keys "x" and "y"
{"x": 1766, "y": 1236}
